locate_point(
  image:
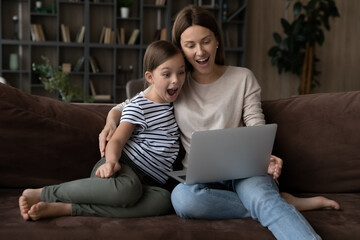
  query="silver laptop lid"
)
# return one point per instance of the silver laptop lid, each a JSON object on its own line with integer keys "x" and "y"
{"x": 231, "y": 153}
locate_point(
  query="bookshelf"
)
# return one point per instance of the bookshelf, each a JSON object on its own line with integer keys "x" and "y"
{"x": 93, "y": 38}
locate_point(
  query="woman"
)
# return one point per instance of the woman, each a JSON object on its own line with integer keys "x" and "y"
{"x": 217, "y": 96}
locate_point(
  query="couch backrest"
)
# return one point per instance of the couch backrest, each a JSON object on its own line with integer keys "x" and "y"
{"x": 319, "y": 140}
{"x": 44, "y": 141}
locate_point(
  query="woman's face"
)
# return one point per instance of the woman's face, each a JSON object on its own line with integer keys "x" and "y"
{"x": 199, "y": 45}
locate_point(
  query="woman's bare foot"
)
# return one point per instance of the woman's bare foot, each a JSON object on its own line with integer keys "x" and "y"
{"x": 28, "y": 198}
{"x": 49, "y": 210}
{"x": 312, "y": 203}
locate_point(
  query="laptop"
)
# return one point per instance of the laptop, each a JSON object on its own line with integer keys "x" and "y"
{"x": 225, "y": 154}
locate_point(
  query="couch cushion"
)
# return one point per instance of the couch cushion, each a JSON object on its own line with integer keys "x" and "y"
{"x": 330, "y": 225}
{"x": 44, "y": 141}
{"x": 319, "y": 140}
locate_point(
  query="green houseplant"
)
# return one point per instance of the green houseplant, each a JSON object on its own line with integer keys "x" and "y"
{"x": 55, "y": 80}
{"x": 295, "y": 52}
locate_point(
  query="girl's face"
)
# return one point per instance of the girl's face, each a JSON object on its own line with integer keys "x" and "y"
{"x": 166, "y": 80}
{"x": 199, "y": 46}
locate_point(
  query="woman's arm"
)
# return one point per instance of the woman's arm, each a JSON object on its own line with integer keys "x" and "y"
{"x": 114, "y": 150}
{"x": 112, "y": 120}
{"x": 252, "y": 111}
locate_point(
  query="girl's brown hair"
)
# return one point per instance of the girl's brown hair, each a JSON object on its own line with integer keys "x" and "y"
{"x": 194, "y": 15}
{"x": 157, "y": 53}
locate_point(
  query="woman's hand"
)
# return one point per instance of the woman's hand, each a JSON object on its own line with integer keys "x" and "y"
{"x": 108, "y": 169}
{"x": 275, "y": 166}
{"x": 105, "y": 136}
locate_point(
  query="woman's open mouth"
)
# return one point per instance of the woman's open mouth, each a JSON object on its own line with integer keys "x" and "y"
{"x": 203, "y": 61}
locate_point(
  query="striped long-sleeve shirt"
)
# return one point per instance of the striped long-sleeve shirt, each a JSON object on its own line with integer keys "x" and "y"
{"x": 154, "y": 144}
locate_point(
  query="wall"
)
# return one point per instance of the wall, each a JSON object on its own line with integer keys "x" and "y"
{"x": 339, "y": 55}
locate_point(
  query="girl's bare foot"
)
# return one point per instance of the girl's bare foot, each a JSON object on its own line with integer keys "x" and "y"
{"x": 49, "y": 210}
{"x": 28, "y": 198}
{"x": 312, "y": 203}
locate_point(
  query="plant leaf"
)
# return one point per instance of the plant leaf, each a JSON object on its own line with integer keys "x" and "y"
{"x": 297, "y": 8}
{"x": 277, "y": 37}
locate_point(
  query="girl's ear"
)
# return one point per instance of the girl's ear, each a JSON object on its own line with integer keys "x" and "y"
{"x": 149, "y": 77}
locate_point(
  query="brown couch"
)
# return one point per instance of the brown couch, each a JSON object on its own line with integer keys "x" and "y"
{"x": 45, "y": 141}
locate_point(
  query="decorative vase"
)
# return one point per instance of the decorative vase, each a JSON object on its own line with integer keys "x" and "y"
{"x": 13, "y": 61}
{"x": 124, "y": 12}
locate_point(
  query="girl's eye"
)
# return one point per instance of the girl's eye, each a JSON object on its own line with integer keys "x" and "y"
{"x": 166, "y": 74}
{"x": 182, "y": 72}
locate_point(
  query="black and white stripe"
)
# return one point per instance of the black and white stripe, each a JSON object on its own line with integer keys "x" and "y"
{"x": 154, "y": 144}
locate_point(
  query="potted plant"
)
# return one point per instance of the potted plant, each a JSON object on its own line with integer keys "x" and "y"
{"x": 296, "y": 51}
{"x": 55, "y": 80}
{"x": 125, "y": 8}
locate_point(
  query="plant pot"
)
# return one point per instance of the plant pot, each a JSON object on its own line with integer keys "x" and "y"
{"x": 124, "y": 12}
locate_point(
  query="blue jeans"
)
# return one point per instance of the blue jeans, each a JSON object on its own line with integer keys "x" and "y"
{"x": 256, "y": 197}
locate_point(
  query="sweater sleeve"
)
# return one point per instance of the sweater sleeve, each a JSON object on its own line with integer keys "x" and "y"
{"x": 252, "y": 111}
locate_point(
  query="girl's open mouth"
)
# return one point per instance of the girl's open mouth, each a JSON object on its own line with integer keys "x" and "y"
{"x": 172, "y": 91}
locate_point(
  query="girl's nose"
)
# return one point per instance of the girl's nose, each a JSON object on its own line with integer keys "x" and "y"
{"x": 175, "y": 79}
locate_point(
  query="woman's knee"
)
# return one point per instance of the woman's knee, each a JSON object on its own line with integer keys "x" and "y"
{"x": 257, "y": 192}
{"x": 184, "y": 201}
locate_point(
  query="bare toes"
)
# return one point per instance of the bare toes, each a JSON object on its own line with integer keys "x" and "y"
{"x": 24, "y": 207}
{"x": 35, "y": 212}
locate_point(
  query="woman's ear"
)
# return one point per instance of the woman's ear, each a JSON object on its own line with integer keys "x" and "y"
{"x": 149, "y": 77}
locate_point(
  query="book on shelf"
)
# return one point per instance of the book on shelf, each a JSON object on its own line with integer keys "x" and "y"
{"x": 134, "y": 36}
{"x": 102, "y": 34}
{"x": 79, "y": 64}
{"x": 107, "y": 35}
{"x": 65, "y": 33}
{"x": 80, "y": 35}
{"x": 93, "y": 64}
{"x": 37, "y": 32}
{"x": 122, "y": 35}
{"x": 160, "y": 2}
{"x": 66, "y": 67}
{"x": 163, "y": 34}
{"x": 101, "y": 97}
{"x": 107, "y": 39}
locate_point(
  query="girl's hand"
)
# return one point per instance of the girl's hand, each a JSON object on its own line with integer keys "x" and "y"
{"x": 275, "y": 166}
{"x": 105, "y": 136}
{"x": 108, "y": 169}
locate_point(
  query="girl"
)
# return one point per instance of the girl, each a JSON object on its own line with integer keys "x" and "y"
{"x": 126, "y": 183}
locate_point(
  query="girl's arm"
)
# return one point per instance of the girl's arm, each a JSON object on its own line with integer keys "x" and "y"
{"x": 112, "y": 119}
{"x": 114, "y": 150}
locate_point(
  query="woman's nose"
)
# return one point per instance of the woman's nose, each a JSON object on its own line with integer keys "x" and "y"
{"x": 199, "y": 49}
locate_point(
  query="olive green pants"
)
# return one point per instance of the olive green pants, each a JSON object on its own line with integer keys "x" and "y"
{"x": 122, "y": 196}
